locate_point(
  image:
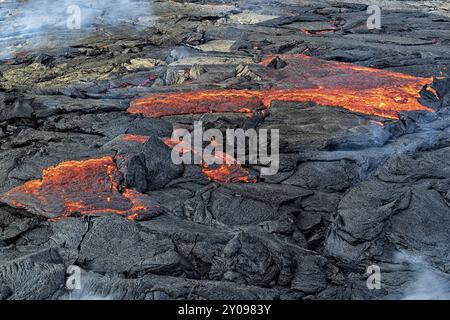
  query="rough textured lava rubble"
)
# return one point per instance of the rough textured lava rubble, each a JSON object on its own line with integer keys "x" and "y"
{"x": 86, "y": 178}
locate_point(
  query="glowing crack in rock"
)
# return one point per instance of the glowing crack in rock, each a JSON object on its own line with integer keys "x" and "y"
{"x": 229, "y": 172}
{"x": 80, "y": 187}
{"x": 304, "y": 79}
{"x": 133, "y": 138}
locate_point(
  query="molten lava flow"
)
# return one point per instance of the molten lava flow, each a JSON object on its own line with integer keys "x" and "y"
{"x": 378, "y": 123}
{"x": 79, "y": 187}
{"x": 304, "y": 79}
{"x": 167, "y": 104}
{"x": 229, "y": 171}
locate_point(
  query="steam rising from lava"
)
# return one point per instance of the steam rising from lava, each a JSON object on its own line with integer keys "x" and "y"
{"x": 304, "y": 79}
{"x": 224, "y": 173}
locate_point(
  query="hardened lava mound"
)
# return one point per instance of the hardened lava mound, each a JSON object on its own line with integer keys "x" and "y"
{"x": 87, "y": 176}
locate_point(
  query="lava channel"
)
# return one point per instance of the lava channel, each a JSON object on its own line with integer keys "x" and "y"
{"x": 80, "y": 188}
{"x": 304, "y": 79}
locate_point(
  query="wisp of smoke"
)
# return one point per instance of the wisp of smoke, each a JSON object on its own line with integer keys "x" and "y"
{"x": 21, "y": 22}
{"x": 428, "y": 283}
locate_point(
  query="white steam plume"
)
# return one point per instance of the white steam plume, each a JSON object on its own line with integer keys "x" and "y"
{"x": 30, "y": 22}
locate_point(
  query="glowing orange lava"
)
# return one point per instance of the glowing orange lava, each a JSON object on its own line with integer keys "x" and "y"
{"x": 225, "y": 173}
{"x": 229, "y": 171}
{"x": 134, "y": 138}
{"x": 166, "y": 104}
{"x": 304, "y": 79}
{"x": 79, "y": 187}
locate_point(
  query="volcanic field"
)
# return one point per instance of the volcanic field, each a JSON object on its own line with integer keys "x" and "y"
{"x": 87, "y": 179}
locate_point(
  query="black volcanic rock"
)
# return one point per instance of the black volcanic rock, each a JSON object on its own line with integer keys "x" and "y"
{"x": 145, "y": 165}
